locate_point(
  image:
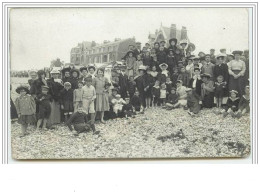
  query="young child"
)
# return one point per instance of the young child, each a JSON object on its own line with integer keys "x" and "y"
{"x": 138, "y": 63}
{"x": 172, "y": 99}
{"x": 130, "y": 62}
{"x": 193, "y": 100}
{"x": 244, "y": 104}
{"x": 164, "y": 73}
{"x": 118, "y": 104}
{"x": 136, "y": 101}
{"x": 182, "y": 94}
{"x": 174, "y": 77}
{"x": 232, "y": 104}
{"x": 156, "y": 93}
{"x": 220, "y": 87}
{"x": 26, "y": 109}
{"x": 169, "y": 86}
{"x": 77, "y": 96}
{"x": 128, "y": 108}
{"x": 163, "y": 92}
{"x": 80, "y": 122}
{"x": 66, "y": 100}
{"x": 148, "y": 84}
{"x": 184, "y": 76}
{"x": 44, "y": 100}
{"x": 88, "y": 98}
{"x": 154, "y": 72}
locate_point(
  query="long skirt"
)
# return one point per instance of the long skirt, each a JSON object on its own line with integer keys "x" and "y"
{"x": 237, "y": 84}
{"x": 14, "y": 114}
{"x": 102, "y": 102}
{"x": 208, "y": 100}
{"x": 55, "y": 116}
{"x": 27, "y": 119}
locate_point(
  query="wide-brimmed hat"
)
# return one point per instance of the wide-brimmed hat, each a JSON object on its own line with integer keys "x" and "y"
{"x": 237, "y": 52}
{"x": 196, "y": 58}
{"x": 91, "y": 66}
{"x": 184, "y": 41}
{"x": 22, "y": 87}
{"x": 142, "y": 67}
{"x": 130, "y": 52}
{"x": 163, "y": 64}
{"x": 55, "y": 72}
{"x": 205, "y": 75}
{"x": 32, "y": 71}
{"x": 156, "y": 43}
{"x": 233, "y": 91}
{"x": 67, "y": 83}
{"x": 74, "y": 70}
{"x": 173, "y": 39}
{"x": 162, "y": 41}
{"x": 83, "y": 68}
{"x": 65, "y": 70}
{"x": 221, "y": 55}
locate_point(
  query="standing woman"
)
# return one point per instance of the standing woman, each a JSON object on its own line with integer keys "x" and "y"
{"x": 74, "y": 80}
{"x": 84, "y": 72}
{"x": 101, "y": 85}
{"x": 173, "y": 43}
{"x": 36, "y": 89}
{"x": 91, "y": 71}
{"x": 33, "y": 75}
{"x": 237, "y": 69}
{"x": 55, "y": 86}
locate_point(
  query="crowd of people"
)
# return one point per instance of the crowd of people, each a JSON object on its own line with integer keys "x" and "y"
{"x": 155, "y": 76}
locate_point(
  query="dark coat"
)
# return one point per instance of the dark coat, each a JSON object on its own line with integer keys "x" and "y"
{"x": 221, "y": 70}
{"x": 172, "y": 63}
{"x": 136, "y": 52}
{"x": 74, "y": 82}
{"x": 148, "y": 82}
{"x": 147, "y": 61}
{"x": 123, "y": 80}
{"x": 54, "y": 88}
{"x": 66, "y": 79}
{"x": 131, "y": 87}
{"x": 174, "y": 78}
{"x": 66, "y": 95}
{"x": 232, "y": 104}
{"x": 162, "y": 77}
{"x": 185, "y": 78}
{"x": 156, "y": 64}
{"x": 198, "y": 85}
{"x": 36, "y": 87}
{"x": 161, "y": 57}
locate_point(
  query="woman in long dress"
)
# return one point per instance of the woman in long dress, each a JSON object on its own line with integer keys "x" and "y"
{"x": 101, "y": 85}
{"x": 237, "y": 69}
{"x": 55, "y": 86}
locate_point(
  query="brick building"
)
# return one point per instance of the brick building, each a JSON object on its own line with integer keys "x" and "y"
{"x": 91, "y": 52}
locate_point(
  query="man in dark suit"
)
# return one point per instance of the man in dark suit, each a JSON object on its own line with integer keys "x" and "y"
{"x": 123, "y": 80}
{"x": 196, "y": 81}
{"x": 137, "y": 50}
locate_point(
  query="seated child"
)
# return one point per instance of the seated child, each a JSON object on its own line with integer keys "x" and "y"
{"x": 172, "y": 99}
{"x": 181, "y": 92}
{"x": 232, "y": 104}
{"x": 244, "y": 104}
{"x": 163, "y": 93}
{"x": 136, "y": 101}
{"x": 26, "y": 109}
{"x": 193, "y": 100}
{"x": 156, "y": 93}
{"x": 44, "y": 100}
{"x": 118, "y": 104}
{"x": 128, "y": 108}
{"x": 80, "y": 122}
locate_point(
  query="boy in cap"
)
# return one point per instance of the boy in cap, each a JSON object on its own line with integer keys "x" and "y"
{"x": 44, "y": 99}
{"x": 66, "y": 100}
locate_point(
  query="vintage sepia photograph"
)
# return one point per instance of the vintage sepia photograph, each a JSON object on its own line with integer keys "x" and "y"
{"x": 129, "y": 83}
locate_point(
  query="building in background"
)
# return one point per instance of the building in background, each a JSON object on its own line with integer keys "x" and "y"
{"x": 90, "y": 52}
{"x": 167, "y": 33}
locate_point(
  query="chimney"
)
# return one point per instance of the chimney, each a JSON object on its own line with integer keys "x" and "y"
{"x": 173, "y": 32}
{"x": 184, "y": 33}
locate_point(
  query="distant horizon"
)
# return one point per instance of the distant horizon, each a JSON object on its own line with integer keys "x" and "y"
{"x": 39, "y": 35}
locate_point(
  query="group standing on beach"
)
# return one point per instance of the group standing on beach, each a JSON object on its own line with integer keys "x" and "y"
{"x": 154, "y": 76}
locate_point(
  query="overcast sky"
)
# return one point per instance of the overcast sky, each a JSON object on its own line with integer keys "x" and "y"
{"x": 41, "y": 35}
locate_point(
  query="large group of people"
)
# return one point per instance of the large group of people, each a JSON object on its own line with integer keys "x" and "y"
{"x": 154, "y": 76}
